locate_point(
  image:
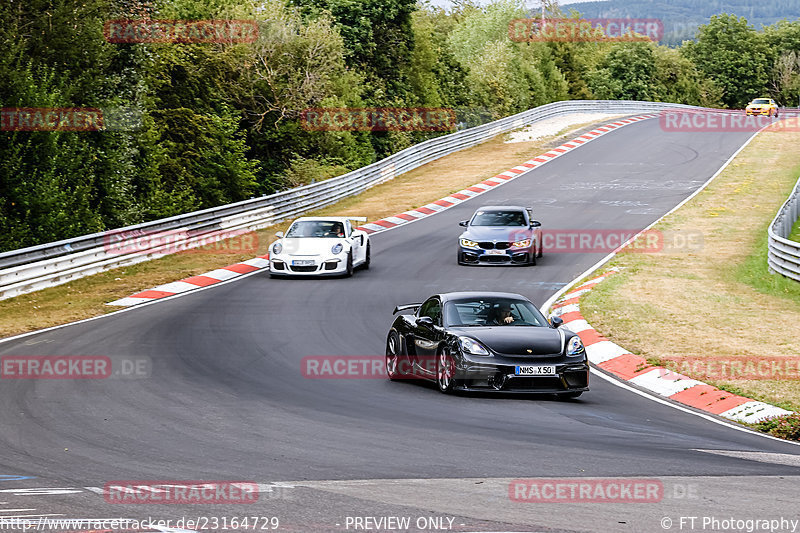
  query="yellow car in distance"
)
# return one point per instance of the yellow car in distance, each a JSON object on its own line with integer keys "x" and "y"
{"x": 762, "y": 106}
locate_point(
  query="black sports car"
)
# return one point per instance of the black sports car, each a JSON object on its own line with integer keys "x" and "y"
{"x": 486, "y": 341}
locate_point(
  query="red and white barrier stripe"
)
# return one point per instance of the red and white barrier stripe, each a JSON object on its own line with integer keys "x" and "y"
{"x": 195, "y": 282}
{"x": 223, "y": 274}
{"x": 489, "y": 184}
{"x": 621, "y": 363}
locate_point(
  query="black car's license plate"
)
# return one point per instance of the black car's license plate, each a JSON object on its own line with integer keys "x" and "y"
{"x": 535, "y": 370}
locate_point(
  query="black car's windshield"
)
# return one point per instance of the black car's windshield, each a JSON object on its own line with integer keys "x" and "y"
{"x": 316, "y": 228}
{"x": 498, "y": 218}
{"x": 760, "y": 101}
{"x": 492, "y": 311}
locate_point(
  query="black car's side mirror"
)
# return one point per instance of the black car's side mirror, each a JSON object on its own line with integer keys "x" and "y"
{"x": 556, "y": 321}
{"x": 535, "y": 223}
{"x": 425, "y": 321}
{"x": 464, "y": 223}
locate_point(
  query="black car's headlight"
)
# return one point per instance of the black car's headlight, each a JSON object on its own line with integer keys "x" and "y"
{"x": 471, "y": 346}
{"x": 277, "y": 248}
{"x": 575, "y": 346}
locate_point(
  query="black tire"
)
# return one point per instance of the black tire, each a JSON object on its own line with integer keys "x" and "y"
{"x": 541, "y": 250}
{"x": 367, "y": 258}
{"x": 532, "y": 262}
{"x": 393, "y": 354}
{"x": 349, "y": 271}
{"x": 569, "y": 395}
{"x": 445, "y": 371}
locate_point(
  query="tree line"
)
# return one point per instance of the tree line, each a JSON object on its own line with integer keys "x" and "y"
{"x": 209, "y": 123}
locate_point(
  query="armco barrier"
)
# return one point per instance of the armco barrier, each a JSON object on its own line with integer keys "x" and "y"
{"x": 38, "y": 267}
{"x": 783, "y": 255}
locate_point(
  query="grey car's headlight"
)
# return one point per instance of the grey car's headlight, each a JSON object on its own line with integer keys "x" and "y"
{"x": 277, "y": 248}
{"x": 472, "y": 346}
{"x": 575, "y": 346}
{"x": 466, "y": 243}
{"x": 337, "y": 248}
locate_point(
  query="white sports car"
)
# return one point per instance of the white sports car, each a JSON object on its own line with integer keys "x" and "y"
{"x": 326, "y": 246}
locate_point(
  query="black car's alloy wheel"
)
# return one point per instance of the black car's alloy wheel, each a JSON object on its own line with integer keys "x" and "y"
{"x": 445, "y": 371}
{"x": 393, "y": 356}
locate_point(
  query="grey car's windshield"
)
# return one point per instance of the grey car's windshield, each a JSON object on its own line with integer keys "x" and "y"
{"x": 492, "y": 311}
{"x": 316, "y": 228}
{"x": 498, "y": 218}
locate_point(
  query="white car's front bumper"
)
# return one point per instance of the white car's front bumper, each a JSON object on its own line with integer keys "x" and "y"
{"x": 287, "y": 265}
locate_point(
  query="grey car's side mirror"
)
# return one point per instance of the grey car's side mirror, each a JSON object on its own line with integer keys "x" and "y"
{"x": 279, "y": 234}
{"x": 556, "y": 321}
{"x": 464, "y": 223}
{"x": 535, "y": 223}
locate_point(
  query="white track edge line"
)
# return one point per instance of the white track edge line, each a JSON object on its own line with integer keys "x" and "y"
{"x": 679, "y": 407}
{"x": 623, "y": 383}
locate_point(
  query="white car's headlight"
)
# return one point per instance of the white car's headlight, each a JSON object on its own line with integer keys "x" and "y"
{"x": 337, "y": 248}
{"x": 466, "y": 243}
{"x": 575, "y": 346}
{"x": 472, "y": 346}
{"x": 521, "y": 244}
{"x": 277, "y": 248}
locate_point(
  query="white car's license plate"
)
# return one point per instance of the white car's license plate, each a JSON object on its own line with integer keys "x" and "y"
{"x": 302, "y": 262}
{"x": 495, "y": 252}
{"x": 530, "y": 370}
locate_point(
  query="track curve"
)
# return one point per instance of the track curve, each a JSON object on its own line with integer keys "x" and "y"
{"x": 227, "y": 400}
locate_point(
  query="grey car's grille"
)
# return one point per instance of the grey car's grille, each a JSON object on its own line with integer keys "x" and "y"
{"x": 494, "y": 246}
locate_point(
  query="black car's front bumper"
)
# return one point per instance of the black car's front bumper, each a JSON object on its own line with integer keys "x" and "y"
{"x": 500, "y": 376}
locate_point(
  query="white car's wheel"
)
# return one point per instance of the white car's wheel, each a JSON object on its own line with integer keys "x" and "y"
{"x": 349, "y": 271}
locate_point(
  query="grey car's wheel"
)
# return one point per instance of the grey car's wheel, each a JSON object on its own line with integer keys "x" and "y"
{"x": 393, "y": 357}
{"x": 445, "y": 371}
{"x": 532, "y": 262}
{"x": 541, "y": 250}
{"x": 569, "y": 395}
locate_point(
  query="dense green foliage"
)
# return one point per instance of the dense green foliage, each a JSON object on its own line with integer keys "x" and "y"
{"x": 682, "y": 18}
{"x": 217, "y": 122}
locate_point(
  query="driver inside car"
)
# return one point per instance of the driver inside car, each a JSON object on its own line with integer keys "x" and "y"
{"x": 502, "y": 316}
